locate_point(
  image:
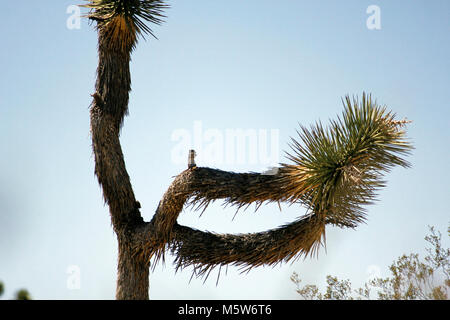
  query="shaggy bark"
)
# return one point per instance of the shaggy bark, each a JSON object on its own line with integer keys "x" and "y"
{"x": 132, "y": 273}
{"x": 132, "y": 282}
{"x": 197, "y": 187}
{"x": 109, "y": 106}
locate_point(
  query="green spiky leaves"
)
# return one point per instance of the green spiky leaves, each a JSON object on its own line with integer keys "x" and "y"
{"x": 337, "y": 169}
{"x": 135, "y": 13}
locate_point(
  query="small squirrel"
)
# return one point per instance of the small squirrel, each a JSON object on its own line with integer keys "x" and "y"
{"x": 191, "y": 159}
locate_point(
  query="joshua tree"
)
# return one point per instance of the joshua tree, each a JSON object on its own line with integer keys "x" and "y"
{"x": 334, "y": 172}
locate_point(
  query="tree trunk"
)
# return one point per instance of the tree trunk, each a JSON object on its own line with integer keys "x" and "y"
{"x": 132, "y": 275}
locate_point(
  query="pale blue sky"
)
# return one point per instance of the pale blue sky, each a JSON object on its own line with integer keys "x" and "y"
{"x": 229, "y": 64}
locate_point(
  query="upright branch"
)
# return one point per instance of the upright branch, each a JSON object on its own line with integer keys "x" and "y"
{"x": 119, "y": 24}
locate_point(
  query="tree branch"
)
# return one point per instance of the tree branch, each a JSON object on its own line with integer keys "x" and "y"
{"x": 198, "y": 187}
{"x": 110, "y": 169}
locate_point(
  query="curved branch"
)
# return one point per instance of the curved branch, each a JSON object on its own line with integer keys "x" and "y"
{"x": 198, "y": 187}
{"x": 205, "y": 250}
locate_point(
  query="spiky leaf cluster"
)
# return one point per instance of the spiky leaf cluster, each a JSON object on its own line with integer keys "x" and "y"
{"x": 338, "y": 168}
{"x": 135, "y": 13}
